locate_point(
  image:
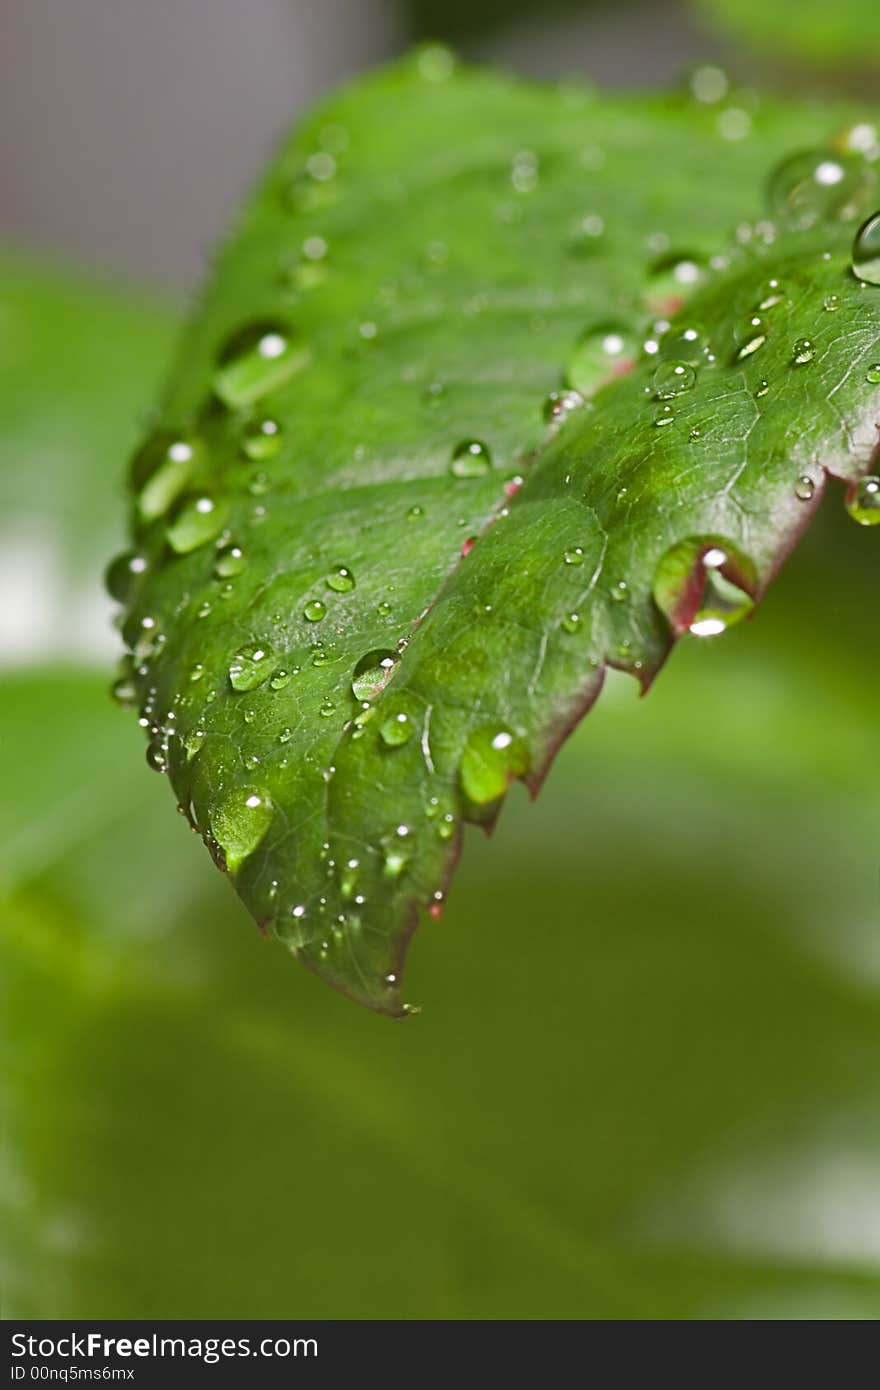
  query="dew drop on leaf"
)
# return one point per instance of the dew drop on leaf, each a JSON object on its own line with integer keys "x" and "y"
{"x": 256, "y": 360}
{"x": 230, "y": 561}
{"x": 673, "y": 379}
{"x": 863, "y": 501}
{"x": 704, "y": 584}
{"x": 803, "y": 352}
{"x": 341, "y": 580}
{"x": 314, "y": 610}
{"x": 804, "y": 489}
{"x": 195, "y": 522}
{"x": 491, "y": 756}
{"x": 238, "y": 823}
{"x": 161, "y": 469}
{"x": 250, "y": 667}
{"x": 751, "y": 336}
{"x": 373, "y": 673}
{"x": 262, "y": 439}
{"x": 122, "y": 575}
{"x": 601, "y": 353}
{"x": 866, "y": 251}
{"x": 470, "y": 459}
{"x": 820, "y": 186}
{"x": 397, "y": 729}
{"x": 872, "y": 375}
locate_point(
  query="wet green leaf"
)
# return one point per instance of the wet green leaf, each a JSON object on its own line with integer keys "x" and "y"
{"x": 427, "y": 266}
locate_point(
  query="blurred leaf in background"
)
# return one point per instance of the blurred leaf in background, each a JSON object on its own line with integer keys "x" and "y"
{"x": 646, "y": 1079}
{"x": 824, "y": 34}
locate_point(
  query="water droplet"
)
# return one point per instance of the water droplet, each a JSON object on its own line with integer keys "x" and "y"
{"x": 415, "y": 512}
{"x": 559, "y": 405}
{"x": 383, "y": 609}
{"x": 804, "y": 489}
{"x": 122, "y": 575}
{"x": 671, "y": 278}
{"x": 600, "y": 354}
{"x": 470, "y": 459}
{"x": 196, "y": 521}
{"x": 326, "y": 709}
{"x": 239, "y": 822}
{"x": 250, "y": 667}
{"x": 256, "y": 360}
{"x": 571, "y": 623}
{"x": 820, "y": 186}
{"x": 161, "y": 469}
{"x": 708, "y": 84}
{"x": 872, "y": 375}
{"x": 196, "y": 672}
{"x": 314, "y": 610}
{"x": 124, "y": 691}
{"x": 282, "y": 678}
{"x": 704, "y": 584}
{"x": 751, "y": 336}
{"x": 575, "y": 556}
{"x": 157, "y": 755}
{"x": 863, "y": 501}
{"x": 803, "y": 352}
{"x": 372, "y": 673}
{"x": 192, "y": 742}
{"x": 262, "y": 439}
{"x": 866, "y": 251}
{"x": 681, "y": 343}
{"x": 831, "y": 303}
{"x": 492, "y": 755}
{"x": 341, "y": 580}
{"x": 619, "y": 592}
{"x": 230, "y": 561}
{"x": 665, "y": 416}
{"x": 397, "y": 729}
{"x": 673, "y": 379}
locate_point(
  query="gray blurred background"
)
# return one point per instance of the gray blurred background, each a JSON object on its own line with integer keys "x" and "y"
{"x": 134, "y": 126}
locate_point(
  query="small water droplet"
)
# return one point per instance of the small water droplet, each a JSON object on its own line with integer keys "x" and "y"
{"x": 196, "y": 521}
{"x": 314, "y": 610}
{"x": 326, "y": 709}
{"x": 161, "y": 469}
{"x": 571, "y": 623}
{"x": 804, "y": 489}
{"x": 372, "y": 673}
{"x": 872, "y": 375}
{"x": 230, "y": 561}
{"x": 603, "y": 352}
{"x": 192, "y": 742}
{"x": 863, "y": 501}
{"x": 470, "y": 459}
{"x": 239, "y": 822}
{"x": 257, "y": 359}
{"x": 673, "y": 379}
{"x": 575, "y": 556}
{"x": 704, "y": 584}
{"x": 341, "y": 580}
{"x": 250, "y": 667}
{"x": 803, "y": 352}
{"x": 397, "y": 729}
{"x": 383, "y": 609}
{"x": 866, "y": 251}
{"x": 681, "y": 343}
{"x": 831, "y": 303}
{"x": 492, "y": 755}
{"x": 262, "y": 439}
{"x": 751, "y": 336}
{"x": 559, "y": 405}
{"x": 122, "y": 575}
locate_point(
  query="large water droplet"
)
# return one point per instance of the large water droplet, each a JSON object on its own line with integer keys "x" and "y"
{"x": 341, "y": 580}
{"x": 314, "y": 610}
{"x": 230, "y": 562}
{"x": 492, "y": 755}
{"x": 262, "y": 439}
{"x": 256, "y": 360}
{"x": 600, "y": 354}
{"x": 161, "y": 469}
{"x": 250, "y": 667}
{"x": 820, "y": 186}
{"x": 470, "y": 459}
{"x": 372, "y": 673}
{"x": 239, "y": 822}
{"x": 397, "y": 729}
{"x": 673, "y": 379}
{"x": 866, "y": 251}
{"x": 704, "y": 584}
{"x": 863, "y": 501}
{"x": 122, "y": 575}
{"x": 196, "y": 521}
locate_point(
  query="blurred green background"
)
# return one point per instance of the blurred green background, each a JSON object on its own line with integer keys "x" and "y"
{"x": 646, "y": 1082}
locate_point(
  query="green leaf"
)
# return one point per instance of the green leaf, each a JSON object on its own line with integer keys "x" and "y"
{"x": 355, "y": 623}
{"x": 823, "y": 33}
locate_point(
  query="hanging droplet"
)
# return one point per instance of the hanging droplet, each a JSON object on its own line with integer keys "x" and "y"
{"x": 250, "y": 667}
{"x": 372, "y": 673}
{"x": 673, "y": 379}
{"x": 256, "y": 360}
{"x": 122, "y": 575}
{"x": 600, "y": 354}
{"x": 866, "y": 251}
{"x": 262, "y": 439}
{"x": 239, "y": 822}
{"x": 161, "y": 469}
{"x": 397, "y": 729}
{"x": 314, "y": 610}
{"x": 195, "y": 522}
{"x": 804, "y": 489}
{"x": 492, "y": 755}
{"x": 341, "y": 580}
{"x": 803, "y": 352}
{"x": 230, "y": 561}
{"x": 863, "y": 501}
{"x": 470, "y": 459}
{"x": 704, "y": 584}
{"x": 820, "y": 186}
